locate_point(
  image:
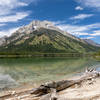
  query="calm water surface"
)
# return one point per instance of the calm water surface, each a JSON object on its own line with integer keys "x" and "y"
{"x": 20, "y": 70}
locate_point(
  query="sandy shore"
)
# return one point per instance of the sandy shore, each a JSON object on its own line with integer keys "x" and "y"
{"x": 87, "y": 90}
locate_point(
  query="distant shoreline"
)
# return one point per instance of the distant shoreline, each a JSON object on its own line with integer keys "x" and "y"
{"x": 46, "y": 55}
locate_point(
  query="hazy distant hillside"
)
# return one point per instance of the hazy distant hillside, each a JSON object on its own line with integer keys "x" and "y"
{"x": 91, "y": 42}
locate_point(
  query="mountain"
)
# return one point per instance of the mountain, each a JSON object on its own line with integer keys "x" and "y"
{"x": 91, "y": 42}
{"x": 43, "y": 37}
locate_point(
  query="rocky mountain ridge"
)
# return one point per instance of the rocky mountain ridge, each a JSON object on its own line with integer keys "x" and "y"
{"x": 43, "y": 36}
{"x": 36, "y": 25}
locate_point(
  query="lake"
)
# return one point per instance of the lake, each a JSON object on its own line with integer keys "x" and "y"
{"x": 25, "y": 70}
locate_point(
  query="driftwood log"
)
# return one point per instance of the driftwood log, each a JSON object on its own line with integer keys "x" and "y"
{"x": 61, "y": 85}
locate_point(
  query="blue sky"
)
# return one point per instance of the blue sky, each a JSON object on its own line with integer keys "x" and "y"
{"x": 78, "y": 17}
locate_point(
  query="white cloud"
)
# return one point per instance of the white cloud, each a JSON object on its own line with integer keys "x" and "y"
{"x": 8, "y": 12}
{"x": 95, "y": 25}
{"x": 80, "y": 33}
{"x": 96, "y": 33}
{"x": 58, "y": 22}
{"x": 79, "y": 29}
{"x": 22, "y": 4}
{"x": 2, "y": 24}
{"x": 8, "y": 32}
{"x": 78, "y": 8}
{"x": 72, "y": 28}
{"x": 81, "y": 16}
{"x": 8, "y": 6}
{"x": 12, "y": 3}
{"x": 14, "y": 18}
{"x": 90, "y": 3}
{"x": 89, "y": 37}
